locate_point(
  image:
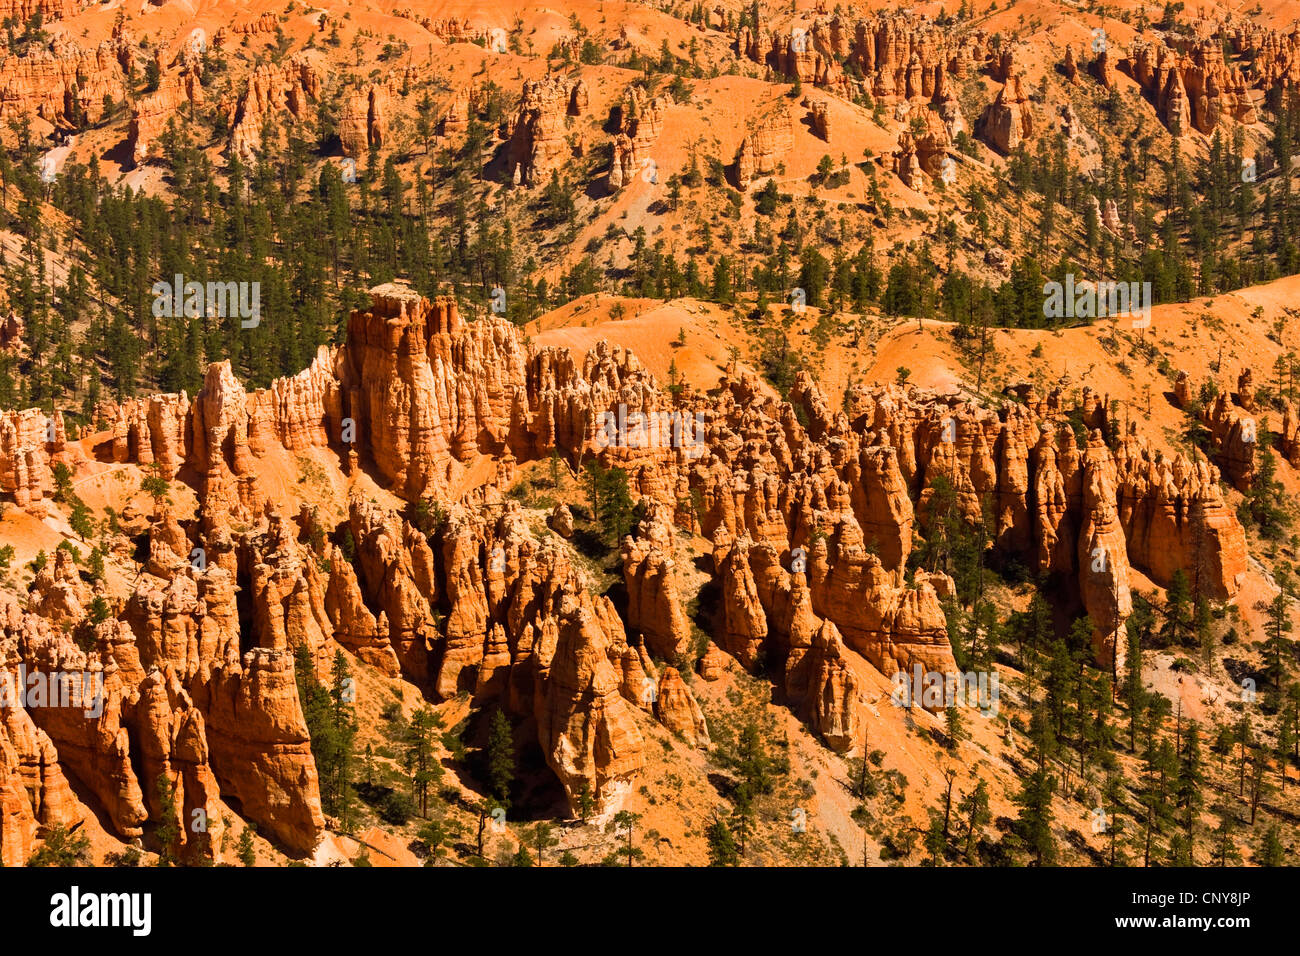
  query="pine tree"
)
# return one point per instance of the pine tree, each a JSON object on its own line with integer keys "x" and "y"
{"x": 245, "y": 849}
{"x": 974, "y": 809}
{"x": 722, "y": 846}
{"x": 1271, "y": 852}
{"x": 935, "y": 843}
{"x": 611, "y": 500}
{"x": 586, "y": 802}
{"x": 543, "y": 839}
{"x": 752, "y": 760}
{"x": 722, "y": 291}
{"x": 500, "y": 757}
{"x": 1260, "y": 787}
{"x": 1277, "y": 645}
{"x": 743, "y": 815}
{"x": 1189, "y": 786}
{"x": 1177, "y": 606}
{"x": 1225, "y": 851}
{"x": 955, "y": 728}
{"x": 626, "y": 820}
{"x": 1034, "y": 825}
{"x": 168, "y": 831}
{"x": 1202, "y": 624}
{"x": 1135, "y": 694}
{"x": 331, "y": 726}
{"x": 344, "y": 731}
{"x": 419, "y": 759}
{"x": 62, "y": 848}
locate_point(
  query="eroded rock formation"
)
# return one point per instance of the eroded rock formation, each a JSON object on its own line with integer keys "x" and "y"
{"x": 768, "y": 142}
{"x": 811, "y": 517}
{"x": 1008, "y": 121}
{"x": 364, "y": 123}
{"x": 639, "y": 121}
{"x": 538, "y": 144}
{"x": 1195, "y": 89}
{"x": 65, "y": 84}
{"x": 891, "y": 57}
{"x": 272, "y": 91}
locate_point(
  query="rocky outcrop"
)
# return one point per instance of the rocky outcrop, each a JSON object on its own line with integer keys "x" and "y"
{"x": 1195, "y": 89}
{"x": 1175, "y": 518}
{"x": 259, "y": 745}
{"x": 921, "y": 155}
{"x": 150, "y": 113}
{"x": 767, "y": 143}
{"x": 480, "y": 606}
{"x": 33, "y": 789}
{"x": 57, "y": 593}
{"x": 394, "y": 566}
{"x": 1008, "y": 121}
{"x": 65, "y": 84}
{"x": 1104, "y": 70}
{"x": 1070, "y": 66}
{"x": 456, "y": 120}
{"x": 1287, "y": 441}
{"x": 1245, "y": 395}
{"x": 219, "y": 448}
{"x": 266, "y": 22}
{"x": 639, "y": 121}
{"x": 173, "y": 746}
{"x": 301, "y": 411}
{"x": 427, "y": 392}
{"x": 11, "y": 332}
{"x": 1103, "y": 560}
{"x": 364, "y": 123}
{"x": 285, "y": 90}
{"x": 821, "y": 678}
{"x": 782, "y": 619}
{"x": 286, "y": 587}
{"x": 890, "y": 57}
{"x": 949, "y": 110}
{"x": 584, "y": 724}
{"x": 538, "y": 143}
{"x": 29, "y": 441}
{"x": 676, "y": 708}
{"x": 1234, "y": 437}
{"x": 819, "y": 119}
{"x": 448, "y": 29}
{"x": 152, "y": 432}
{"x": 163, "y": 691}
{"x": 560, "y": 520}
{"x": 356, "y": 627}
{"x": 23, "y": 10}
{"x": 654, "y": 604}
{"x": 812, "y": 508}
{"x": 1273, "y": 57}
{"x": 169, "y": 546}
